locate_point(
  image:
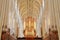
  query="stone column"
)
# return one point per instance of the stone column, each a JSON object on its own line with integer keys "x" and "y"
{"x": 0, "y": 18}
{"x": 45, "y": 20}
{"x": 19, "y": 20}
{"x": 4, "y": 5}
{"x": 0, "y": 25}
{"x": 54, "y": 9}
{"x": 57, "y": 14}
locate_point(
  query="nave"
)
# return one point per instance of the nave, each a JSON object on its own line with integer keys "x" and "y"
{"x": 29, "y": 20}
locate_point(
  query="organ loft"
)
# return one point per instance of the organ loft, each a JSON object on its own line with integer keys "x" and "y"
{"x": 29, "y": 20}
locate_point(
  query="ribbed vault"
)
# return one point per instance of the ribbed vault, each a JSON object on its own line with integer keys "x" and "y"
{"x": 29, "y": 8}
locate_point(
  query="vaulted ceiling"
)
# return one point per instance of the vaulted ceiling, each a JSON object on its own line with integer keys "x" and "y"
{"x": 29, "y": 8}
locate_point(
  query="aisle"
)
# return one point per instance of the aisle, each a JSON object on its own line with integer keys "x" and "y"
{"x": 29, "y": 38}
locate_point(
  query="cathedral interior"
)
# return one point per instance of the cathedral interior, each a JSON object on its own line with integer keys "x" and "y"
{"x": 29, "y": 20}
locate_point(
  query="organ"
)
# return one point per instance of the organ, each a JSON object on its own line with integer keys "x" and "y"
{"x": 29, "y": 27}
